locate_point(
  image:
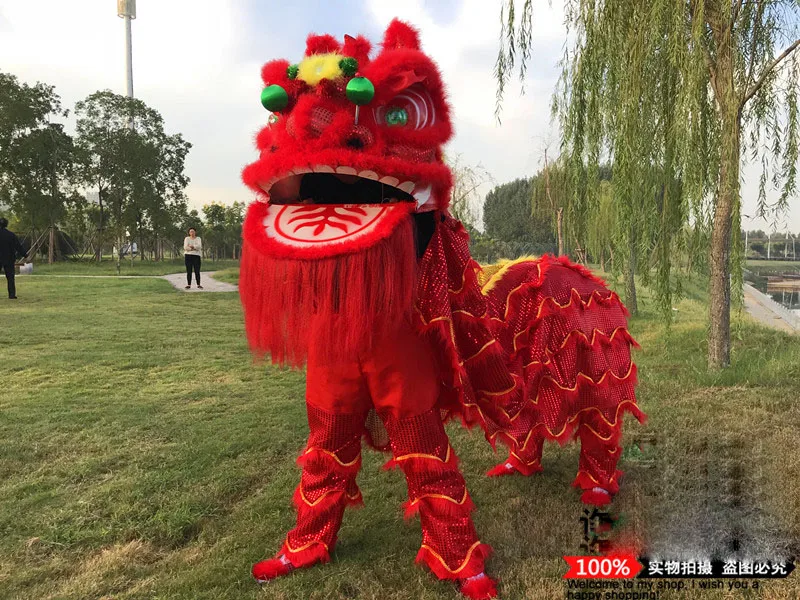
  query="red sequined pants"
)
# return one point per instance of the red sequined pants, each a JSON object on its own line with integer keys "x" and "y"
{"x": 399, "y": 380}
{"x": 600, "y": 452}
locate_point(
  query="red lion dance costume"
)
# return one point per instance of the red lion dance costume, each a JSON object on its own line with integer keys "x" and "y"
{"x": 353, "y": 266}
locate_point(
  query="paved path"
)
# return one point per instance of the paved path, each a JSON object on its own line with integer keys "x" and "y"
{"x": 762, "y": 309}
{"x": 178, "y": 281}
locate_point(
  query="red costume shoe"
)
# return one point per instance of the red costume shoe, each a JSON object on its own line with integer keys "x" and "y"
{"x": 479, "y": 587}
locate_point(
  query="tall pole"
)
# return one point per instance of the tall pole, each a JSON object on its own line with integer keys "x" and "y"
{"x": 129, "y": 54}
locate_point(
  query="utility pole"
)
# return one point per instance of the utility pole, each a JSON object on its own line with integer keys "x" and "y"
{"x": 127, "y": 10}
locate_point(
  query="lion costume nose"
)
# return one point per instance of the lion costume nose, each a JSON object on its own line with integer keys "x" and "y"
{"x": 356, "y": 137}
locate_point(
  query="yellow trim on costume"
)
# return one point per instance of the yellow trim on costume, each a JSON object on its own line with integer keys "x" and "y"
{"x": 332, "y": 455}
{"x": 589, "y": 475}
{"x": 325, "y": 495}
{"x": 535, "y": 462}
{"x": 441, "y": 560}
{"x": 301, "y": 548}
{"x": 563, "y": 345}
{"x": 505, "y": 266}
{"x": 569, "y": 422}
{"x": 485, "y": 346}
{"x": 421, "y": 455}
{"x": 590, "y": 428}
{"x": 317, "y": 67}
{"x": 443, "y": 497}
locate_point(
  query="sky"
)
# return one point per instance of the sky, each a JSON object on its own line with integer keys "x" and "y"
{"x": 198, "y": 64}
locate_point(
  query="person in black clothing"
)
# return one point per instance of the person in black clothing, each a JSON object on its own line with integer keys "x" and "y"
{"x": 9, "y": 249}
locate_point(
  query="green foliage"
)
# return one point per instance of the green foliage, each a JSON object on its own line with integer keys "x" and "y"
{"x": 35, "y": 154}
{"x": 674, "y": 95}
{"x": 508, "y": 218}
{"x": 222, "y": 233}
{"x": 136, "y": 167}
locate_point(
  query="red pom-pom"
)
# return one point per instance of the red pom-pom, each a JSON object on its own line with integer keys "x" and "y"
{"x": 400, "y": 35}
{"x": 481, "y": 587}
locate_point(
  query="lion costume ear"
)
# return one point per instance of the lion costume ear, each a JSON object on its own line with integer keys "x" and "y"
{"x": 321, "y": 44}
{"x": 400, "y": 35}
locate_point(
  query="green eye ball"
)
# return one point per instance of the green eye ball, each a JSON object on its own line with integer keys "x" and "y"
{"x": 360, "y": 91}
{"x": 396, "y": 117}
{"x": 274, "y": 98}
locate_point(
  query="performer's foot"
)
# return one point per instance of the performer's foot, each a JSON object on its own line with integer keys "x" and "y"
{"x": 188, "y": 287}
{"x": 478, "y": 587}
{"x": 507, "y": 468}
{"x": 596, "y": 496}
{"x": 501, "y": 469}
{"x": 272, "y": 568}
{"x": 199, "y": 287}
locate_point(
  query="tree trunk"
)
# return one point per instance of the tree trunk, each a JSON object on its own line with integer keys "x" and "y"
{"x": 603, "y": 259}
{"x": 560, "y": 230}
{"x": 99, "y": 251}
{"x": 51, "y": 246}
{"x": 719, "y": 336}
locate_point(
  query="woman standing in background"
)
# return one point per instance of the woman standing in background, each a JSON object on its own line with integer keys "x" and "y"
{"x": 193, "y": 248}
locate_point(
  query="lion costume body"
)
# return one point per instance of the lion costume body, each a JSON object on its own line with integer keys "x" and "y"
{"x": 353, "y": 266}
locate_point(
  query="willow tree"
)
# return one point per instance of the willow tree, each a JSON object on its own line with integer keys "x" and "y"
{"x": 683, "y": 89}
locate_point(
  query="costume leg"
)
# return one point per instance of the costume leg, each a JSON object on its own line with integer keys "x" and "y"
{"x": 597, "y": 466}
{"x": 525, "y": 459}
{"x": 330, "y": 463}
{"x": 337, "y": 404}
{"x": 404, "y": 385}
{"x": 436, "y": 489}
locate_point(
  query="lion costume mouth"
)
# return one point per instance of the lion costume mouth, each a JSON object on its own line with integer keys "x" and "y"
{"x": 343, "y": 185}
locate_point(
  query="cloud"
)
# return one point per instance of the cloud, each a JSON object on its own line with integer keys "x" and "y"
{"x": 198, "y": 64}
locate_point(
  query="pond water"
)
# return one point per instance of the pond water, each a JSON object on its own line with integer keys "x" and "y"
{"x": 781, "y": 284}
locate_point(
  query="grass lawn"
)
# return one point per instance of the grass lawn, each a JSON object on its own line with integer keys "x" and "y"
{"x": 767, "y": 267}
{"x": 109, "y": 267}
{"x": 144, "y": 456}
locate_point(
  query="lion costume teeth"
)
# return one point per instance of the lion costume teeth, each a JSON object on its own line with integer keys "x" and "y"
{"x": 353, "y": 266}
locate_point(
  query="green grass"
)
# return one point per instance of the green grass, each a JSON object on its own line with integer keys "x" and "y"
{"x": 766, "y": 267}
{"x": 109, "y": 267}
{"x": 144, "y": 456}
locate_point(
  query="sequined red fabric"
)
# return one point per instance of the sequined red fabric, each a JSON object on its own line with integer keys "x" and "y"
{"x": 540, "y": 351}
{"x": 330, "y": 464}
{"x": 436, "y": 489}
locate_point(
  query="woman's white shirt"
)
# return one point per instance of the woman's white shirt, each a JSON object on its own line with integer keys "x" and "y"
{"x": 192, "y": 247}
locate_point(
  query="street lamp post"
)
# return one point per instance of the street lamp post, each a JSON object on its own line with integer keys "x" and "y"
{"x": 126, "y": 9}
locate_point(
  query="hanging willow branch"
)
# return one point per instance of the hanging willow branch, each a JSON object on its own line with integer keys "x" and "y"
{"x": 674, "y": 93}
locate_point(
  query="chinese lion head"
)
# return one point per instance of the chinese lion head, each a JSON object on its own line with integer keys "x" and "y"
{"x": 349, "y": 177}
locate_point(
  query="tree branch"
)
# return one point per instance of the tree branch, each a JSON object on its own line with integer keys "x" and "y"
{"x": 735, "y": 12}
{"x": 767, "y": 70}
{"x": 752, "y": 57}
